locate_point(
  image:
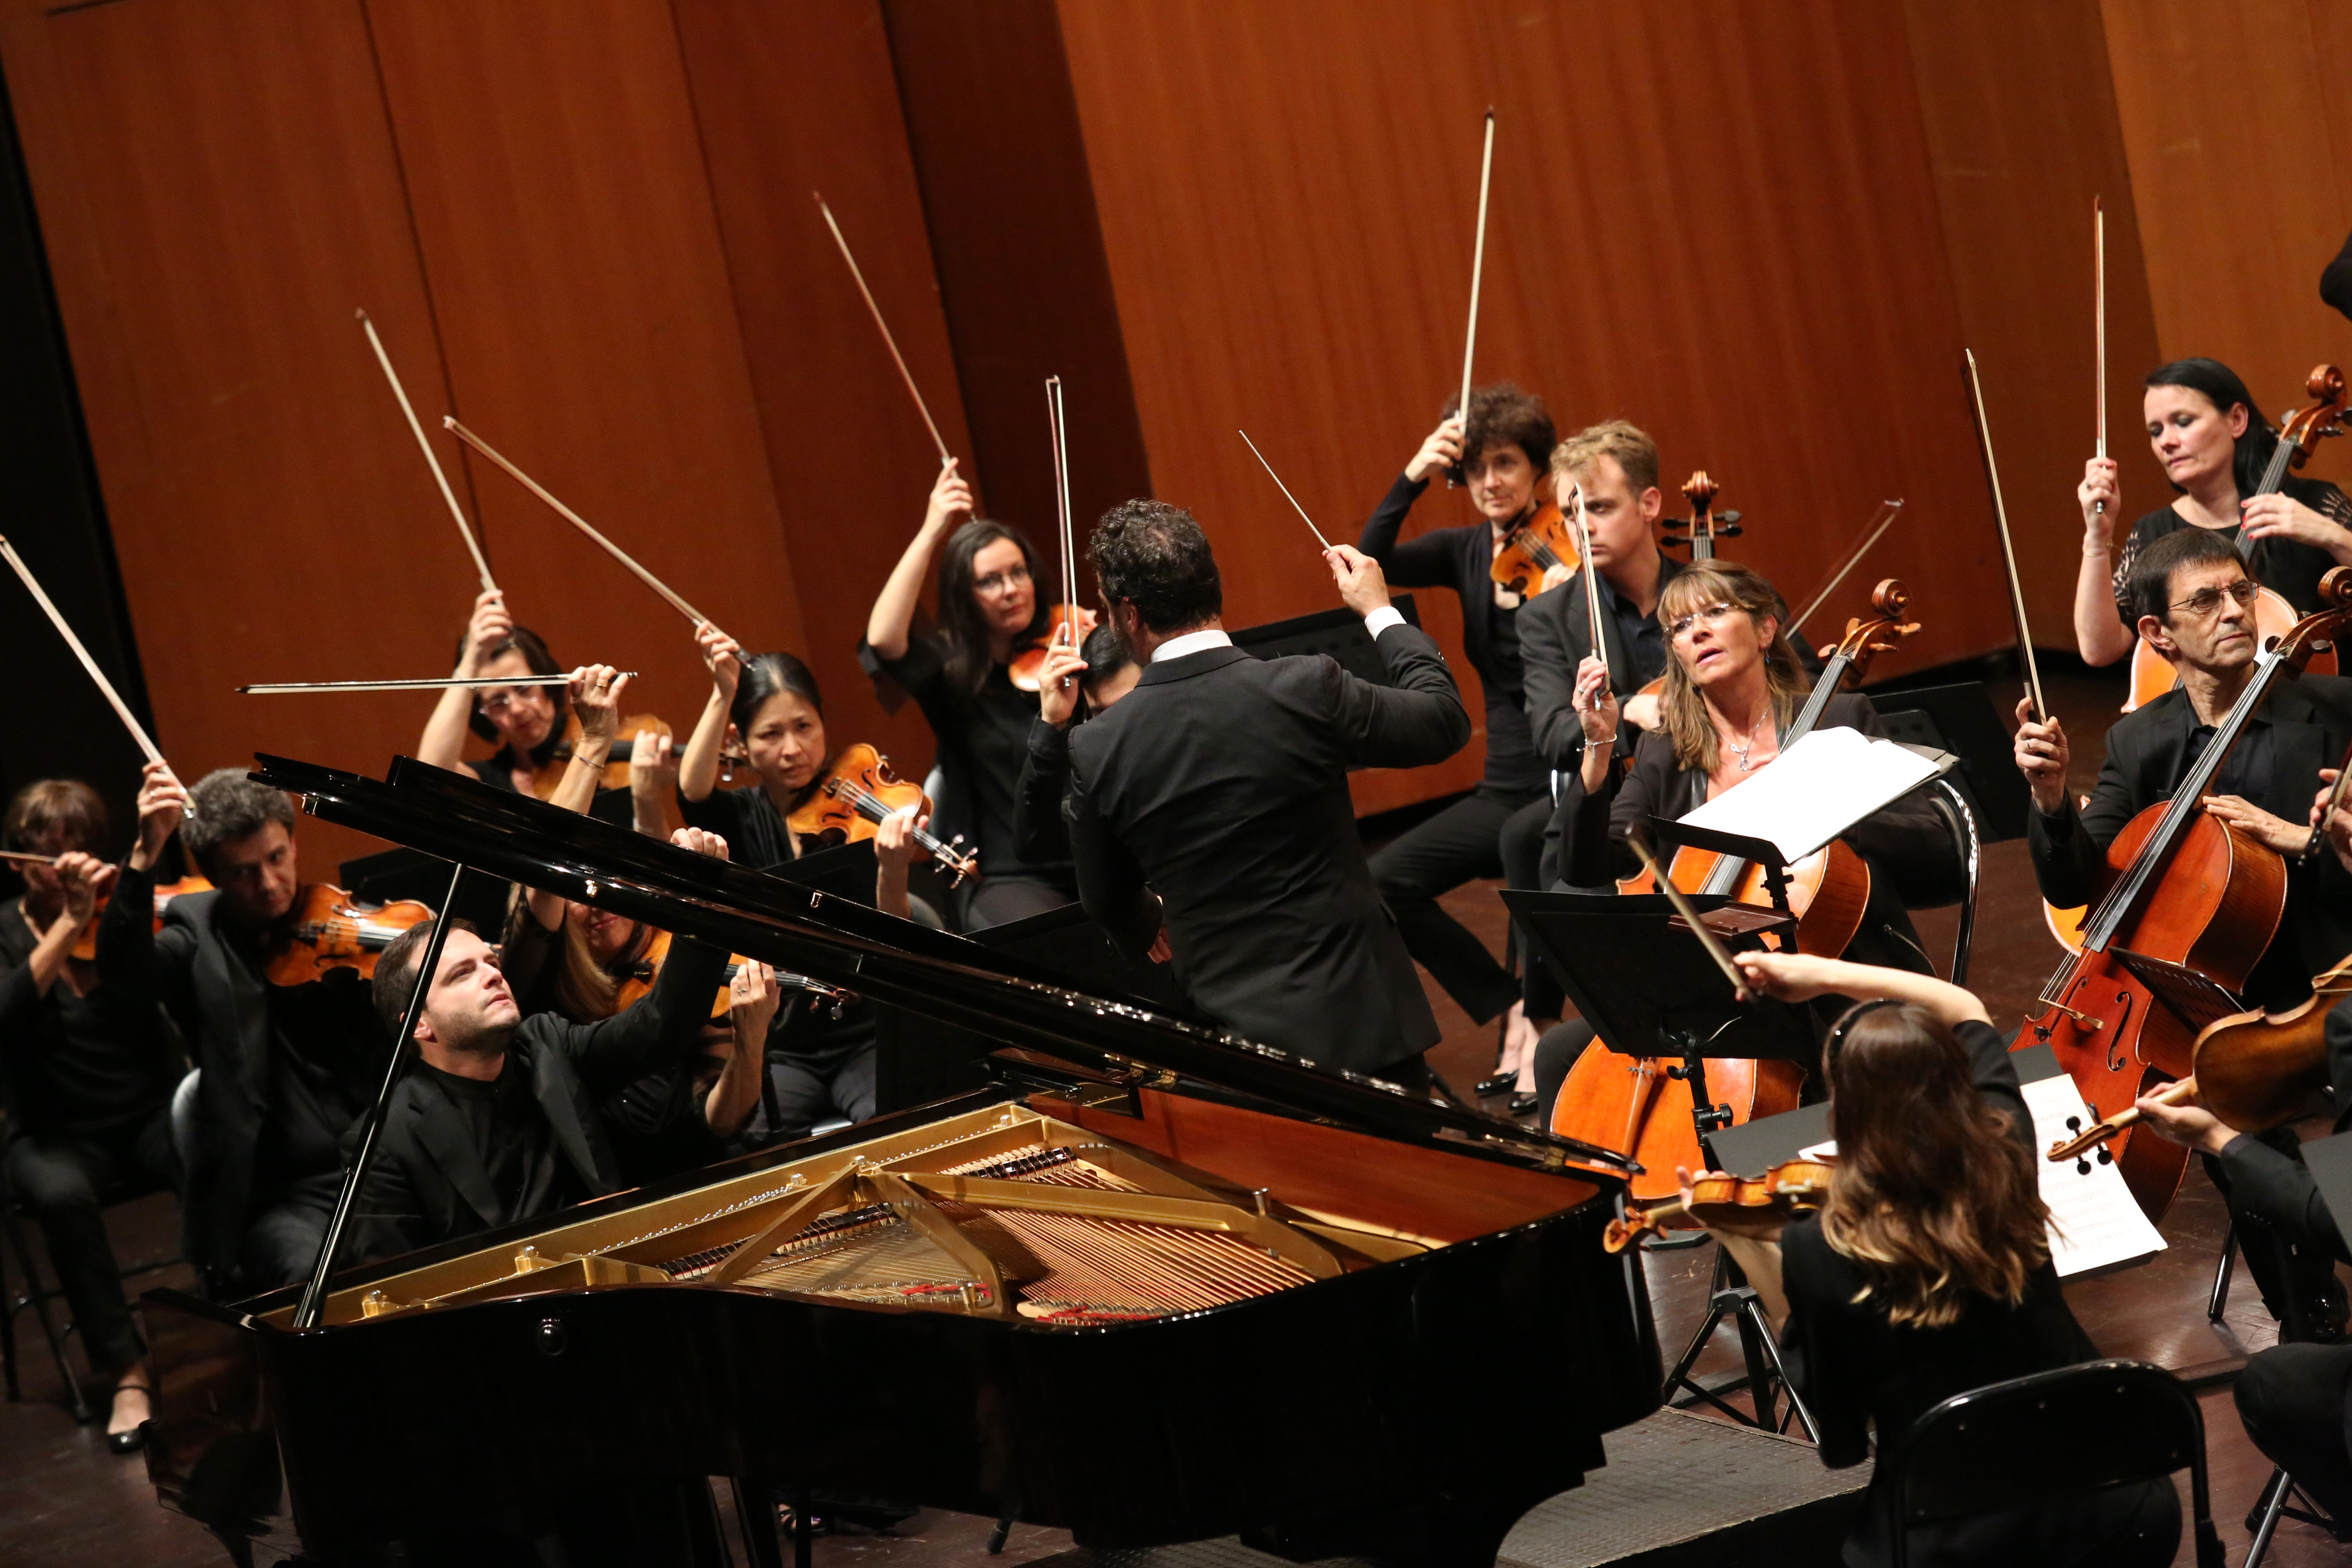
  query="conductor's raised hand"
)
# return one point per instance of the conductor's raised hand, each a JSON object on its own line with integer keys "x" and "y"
{"x": 951, "y": 501}
{"x": 701, "y": 841}
{"x": 1442, "y": 450}
{"x": 1363, "y": 587}
{"x": 2041, "y": 756}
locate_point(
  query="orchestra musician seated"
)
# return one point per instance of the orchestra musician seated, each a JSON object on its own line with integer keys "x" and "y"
{"x": 961, "y": 676}
{"x": 88, "y": 1070}
{"x": 1213, "y": 801}
{"x": 2213, "y": 443}
{"x": 1927, "y": 1273}
{"x": 1503, "y": 454}
{"x": 285, "y": 1068}
{"x": 1733, "y": 686}
{"x": 498, "y": 1120}
{"x": 1077, "y": 684}
{"x": 529, "y": 723}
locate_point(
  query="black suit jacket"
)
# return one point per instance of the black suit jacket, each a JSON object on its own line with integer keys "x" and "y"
{"x": 428, "y": 1184}
{"x": 2310, "y": 720}
{"x": 1555, "y": 637}
{"x": 1220, "y": 783}
{"x": 222, "y": 1005}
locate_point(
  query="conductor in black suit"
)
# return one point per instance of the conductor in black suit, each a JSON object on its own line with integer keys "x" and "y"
{"x": 1213, "y": 800}
{"x": 498, "y": 1120}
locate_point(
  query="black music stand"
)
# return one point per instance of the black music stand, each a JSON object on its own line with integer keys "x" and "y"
{"x": 1665, "y": 837}
{"x": 1340, "y": 633}
{"x": 1648, "y": 988}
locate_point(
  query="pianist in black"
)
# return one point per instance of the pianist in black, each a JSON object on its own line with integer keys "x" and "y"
{"x": 1928, "y": 1272}
{"x": 498, "y": 1120}
{"x": 1213, "y": 800}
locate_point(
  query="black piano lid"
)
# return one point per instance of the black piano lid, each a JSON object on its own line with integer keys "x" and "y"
{"x": 849, "y": 944}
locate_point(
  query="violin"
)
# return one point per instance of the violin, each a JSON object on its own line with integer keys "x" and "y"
{"x": 2299, "y": 434}
{"x": 331, "y": 930}
{"x": 549, "y": 775}
{"x": 1536, "y": 543}
{"x": 857, "y": 792}
{"x": 2253, "y": 1071}
{"x": 2185, "y": 886}
{"x": 1075, "y": 623}
{"x": 85, "y": 947}
{"x": 638, "y": 983}
{"x": 1788, "y": 1189}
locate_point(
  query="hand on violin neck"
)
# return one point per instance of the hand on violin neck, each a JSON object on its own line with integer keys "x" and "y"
{"x": 1363, "y": 587}
{"x": 1441, "y": 452}
{"x": 2041, "y": 755}
{"x": 1058, "y": 684}
{"x": 2185, "y": 1121}
{"x": 488, "y": 630}
{"x": 162, "y": 802}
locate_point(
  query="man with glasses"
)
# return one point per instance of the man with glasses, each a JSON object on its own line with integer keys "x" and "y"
{"x": 2194, "y": 604}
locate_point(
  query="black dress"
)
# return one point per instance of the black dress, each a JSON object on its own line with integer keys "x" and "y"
{"x": 1857, "y": 1370}
{"x": 2292, "y": 570}
{"x": 819, "y": 1066}
{"x": 984, "y": 743}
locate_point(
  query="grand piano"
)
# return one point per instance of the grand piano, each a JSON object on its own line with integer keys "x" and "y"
{"x": 1151, "y": 1284}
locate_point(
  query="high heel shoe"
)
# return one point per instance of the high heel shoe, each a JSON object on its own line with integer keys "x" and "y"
{"x": 1498, "y": 1084}
{"x": 132, "y": 1441}
{"x": 1523, "y": 1104}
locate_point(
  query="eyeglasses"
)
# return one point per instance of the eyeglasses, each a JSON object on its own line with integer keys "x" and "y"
{"x": 1706, "y": 616}
{"x": 1002, "y": 582}
{"x": 2206, "y": 601}
{"x": 497, "y": 703}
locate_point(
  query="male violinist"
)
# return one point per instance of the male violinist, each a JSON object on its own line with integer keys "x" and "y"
{"x": 1213, "y": 800}
{"x": 2195, "y": 604}
{"x": 286, "y": 1069}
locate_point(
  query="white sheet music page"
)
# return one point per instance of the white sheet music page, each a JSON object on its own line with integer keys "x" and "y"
{"x": 1815, "y": 790}
{"x": 2094, "y": 1225}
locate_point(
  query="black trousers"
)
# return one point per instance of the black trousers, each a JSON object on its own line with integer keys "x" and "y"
{"x": 65, "y": 1179}
{"x": 1001, "y": 901}
{"x": 808, "y": 1090}
{"x": 2294, "y": 1402}
{"x": 1460, "y": 844}
{"x": 2296, "y": 1277}
{"x": 1556, "y": 1055}
{"x": 1522, "y": 844}
{"x": 281, "y": 1243}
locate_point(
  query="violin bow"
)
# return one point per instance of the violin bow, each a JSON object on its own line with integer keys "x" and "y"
{"x": 1285, "y": 492}
{"x": 1062, "y": 504}
{"x": 2099, "y": 291}
{"x": 21, "y": 858}
{"x": 2335, "y": 792}
{"x": 1674, "y": 896}
{"x": 1883, "y": 520}
{"x": 428, "y": 683}
{"x": 1592, "y": 576}
{"x": 465, "y": 529}
{"x": 576, "y": 520}
{"x": 146, "y": 742}
{"x": 884, "y": 327}
{"x": 1477, "y": 275}
{"x": 2007, "y": 550}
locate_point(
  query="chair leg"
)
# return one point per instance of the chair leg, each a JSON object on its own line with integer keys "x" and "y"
{"x": 2220, "y": 1299}
{"x": 36, "y": 1296}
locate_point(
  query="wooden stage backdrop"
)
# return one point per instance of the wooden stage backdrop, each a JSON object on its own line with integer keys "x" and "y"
{"x": 585, "y": 227}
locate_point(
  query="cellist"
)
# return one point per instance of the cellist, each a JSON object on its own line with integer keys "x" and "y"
{"x": 1733, "y": 685}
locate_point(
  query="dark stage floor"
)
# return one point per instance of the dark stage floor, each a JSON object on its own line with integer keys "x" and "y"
{"x": 63, "y": 1500}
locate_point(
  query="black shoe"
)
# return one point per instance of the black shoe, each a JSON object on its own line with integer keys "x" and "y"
{"x": 129, "y": 1441}
{"x": 1523, "y": 1104}
{"x": 1499, "y": 1084}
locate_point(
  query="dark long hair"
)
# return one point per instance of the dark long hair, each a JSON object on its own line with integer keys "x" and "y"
{"x": 963, "y": 629}
{"x": 1934, "y": 1199}
{"x": 2220, "y": 385}
{"x": 536, "y": 659}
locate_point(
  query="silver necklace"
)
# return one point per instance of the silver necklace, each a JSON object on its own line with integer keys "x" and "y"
{"x": 1741, "y": 752}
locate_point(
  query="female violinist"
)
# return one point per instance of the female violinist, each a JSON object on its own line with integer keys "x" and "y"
{"x": 989, "y": 612}
{"x": 2215, "y": 447}
{"x": 1928, "y": 1271}
{"x": 89, "y": 1071}
{"x": 1734, "y": 684}
{"x": 530, "y": 725}
{"x": 1503, "y": 454}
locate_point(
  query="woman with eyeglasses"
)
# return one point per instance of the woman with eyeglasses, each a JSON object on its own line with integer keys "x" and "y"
{"x": 2209, "y": 434}
{"x": 1928, "y": 1272}
{"x": 960, "y": 674}
{"x": 1734, "y": 685}
{"x": 530, "y": 725}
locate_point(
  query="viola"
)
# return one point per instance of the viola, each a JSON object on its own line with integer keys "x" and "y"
{"x": 2185, "y": 886}
{"x": 638, "y": 983}
{"x": 2299, "y": 434}
{"x": 857, "y": 792}
{"x": 1070, "y": 625}
{"x": 1791, "y": 1187}
{"x": 2253, "y": 1071}
{"x": 330, "y": 929}
{"x": 1536, "y": 543}
{"x": 85, "y": 947}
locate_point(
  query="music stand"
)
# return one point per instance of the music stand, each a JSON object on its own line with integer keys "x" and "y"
{"x": 1649, "y": 989}
{"x": 1340, "y": 633}
{"x": 1669, "y": 835}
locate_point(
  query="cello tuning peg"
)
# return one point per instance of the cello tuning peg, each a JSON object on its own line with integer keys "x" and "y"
{"x": 2106, "y": 1155}
{"x": 2082, "y": 1167}
{"x": 1723, "y": 518}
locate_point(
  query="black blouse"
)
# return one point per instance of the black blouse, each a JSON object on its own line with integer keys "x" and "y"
{"x": 2291, "y": 570}
{"x": 74, "y": 1064}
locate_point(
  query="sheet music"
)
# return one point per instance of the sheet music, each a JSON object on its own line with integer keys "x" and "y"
{"x": 1815, "y": 790}
{"x": 2094, "y": 1222}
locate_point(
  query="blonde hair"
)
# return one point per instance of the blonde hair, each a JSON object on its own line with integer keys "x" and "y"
{"x": 1632, "y": 447}
{"x": 1682, "y": 709}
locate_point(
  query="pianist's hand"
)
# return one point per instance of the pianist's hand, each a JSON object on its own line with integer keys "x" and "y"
{"x": 701, "y": 842}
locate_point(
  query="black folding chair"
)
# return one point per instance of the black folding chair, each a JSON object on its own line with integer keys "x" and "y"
{"x": 2056, "y": 1433}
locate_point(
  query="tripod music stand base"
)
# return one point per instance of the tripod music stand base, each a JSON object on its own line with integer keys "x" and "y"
{"x": 1766, "y": 1375}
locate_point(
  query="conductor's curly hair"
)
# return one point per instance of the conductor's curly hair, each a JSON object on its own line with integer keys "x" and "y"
{"x": 1154, "y": 556}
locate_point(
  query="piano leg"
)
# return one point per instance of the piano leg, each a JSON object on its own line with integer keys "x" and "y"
{"x": 1002, "y": 1533}
{"x": 755, "y": 1512}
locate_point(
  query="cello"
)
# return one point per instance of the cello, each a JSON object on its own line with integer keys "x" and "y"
{"x": 2187, "y": 888}
{"x": 1699, "y": 532}
{"x": 1641, "y": 1105}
